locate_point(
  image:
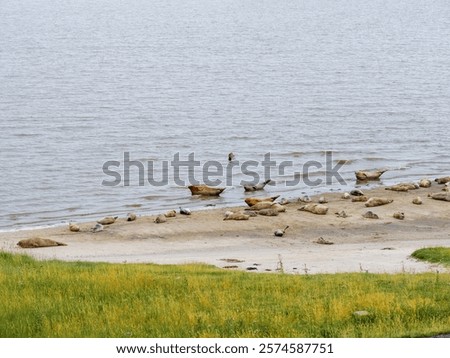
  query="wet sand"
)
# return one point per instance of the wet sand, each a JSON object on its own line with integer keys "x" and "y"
{"x": 359, "y": 244}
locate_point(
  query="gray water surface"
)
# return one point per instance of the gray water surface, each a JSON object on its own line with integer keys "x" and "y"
{"x": 83, "y": 82}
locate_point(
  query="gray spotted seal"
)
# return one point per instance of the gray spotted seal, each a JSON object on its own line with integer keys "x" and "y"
{"x": 131, "y": 217}
{"x": 399, "y": 215}
{"x": 97, "y": 228}
{"x": 185, "y": 211}
{"x": 160, "y": 219}
{"x": 268, "y": 212}
{"x": 318, "y": 209}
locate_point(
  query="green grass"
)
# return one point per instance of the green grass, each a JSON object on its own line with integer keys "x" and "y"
{"x": 440, "y": 255}
{"x": 61, "y": 299}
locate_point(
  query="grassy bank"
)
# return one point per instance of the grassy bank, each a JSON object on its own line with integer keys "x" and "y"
{"x": 437, "y": 255}
{"x": 60, "y": 299}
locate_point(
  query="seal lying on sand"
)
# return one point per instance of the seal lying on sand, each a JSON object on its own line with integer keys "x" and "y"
{"x": 440, "y": 196}
{"x": 252, "y": 201}
{"x": 356, "y": 192}
{"x": 403, "y": 187}
{"x": 229, "y": 215}
{"x": 268, "y": 212}
{"x": 357, "y": 199}
{"x": 377, "y": 202}
{"x": 369, "y": 175}
{"x": 256, "y": 187}
{"x": 318, "y": 209}
{"x": 131, "y": 216}
{"x": 399, "y": 215}
{"x": 97, "y": 228}
{"x": 261, "y": 205}
{"x": 205, "y": 190}
{"x": 38, "y": 242}
{"x": 417, "y": 201}
{"x": 442, "y": 180}
{"x": 74, "y": 227}
{"x": 425, "y": 183}
{"x": 280, "y": 232}
{"x": 108, "y": 220}
{"x": 170, "y": 214}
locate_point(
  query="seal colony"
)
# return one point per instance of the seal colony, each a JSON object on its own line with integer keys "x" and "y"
{"x": 254, "y": 231}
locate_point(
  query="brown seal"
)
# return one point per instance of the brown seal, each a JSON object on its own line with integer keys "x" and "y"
{"x": 281, "y": 232}
{"x": 261, "y": 205}
{"x": 131, "y": 217}
{"x": 359, "y": 199}
{"x": 252, "y": 201}
{"x": 442, "y": 180}
{"x": 205, "y": 190}
{"x": 364, "y": 175}
{"x": 417, "y": 201}
{"x": 425, "y": 183}
{"x": 377, "y": 202}
{"x": 318, "y": 209}
{"x": 440, "y": 196}
{"x": 170, "y": 214}
{"x": 268, "y": 212}
{"x": 398, "y": 215}
{"x": 370, "y": 215}
{"x": 38, "y": 242}
{"x": 108, "y": 220}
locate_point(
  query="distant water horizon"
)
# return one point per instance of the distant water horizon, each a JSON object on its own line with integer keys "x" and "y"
{"x": 82, "y": 83}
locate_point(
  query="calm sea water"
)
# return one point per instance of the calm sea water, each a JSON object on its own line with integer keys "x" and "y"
{"x": 83, "y": 82}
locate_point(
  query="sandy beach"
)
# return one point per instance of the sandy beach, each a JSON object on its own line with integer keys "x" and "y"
{"x": 379, "y": 245}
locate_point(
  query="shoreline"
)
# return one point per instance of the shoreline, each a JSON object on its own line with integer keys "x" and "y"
{"x": 360, "y": 244}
